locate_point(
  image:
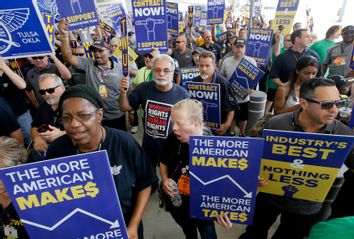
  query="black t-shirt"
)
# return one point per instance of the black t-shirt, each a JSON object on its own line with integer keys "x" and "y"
{"x": 8, "y": 123}
{"x": 135, "y": 174}
{"x": 11, "y": 225}
{"x": 14, "y": 96}
{"x": 46, "y": 115}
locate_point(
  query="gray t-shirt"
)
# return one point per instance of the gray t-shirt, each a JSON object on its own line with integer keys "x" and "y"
{"x": 106, "y": 82}
{"x": 229, "y": 66}
{"x": 338, "y": 59}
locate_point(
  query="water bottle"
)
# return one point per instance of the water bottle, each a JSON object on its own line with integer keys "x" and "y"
{"x": 176, "y": 200}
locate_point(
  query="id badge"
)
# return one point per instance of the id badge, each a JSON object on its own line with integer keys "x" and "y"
{"x": 184, "y": 185}
{"x": 103, "y": 91}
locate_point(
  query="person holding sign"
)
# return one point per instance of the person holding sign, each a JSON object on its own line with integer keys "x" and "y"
{"x": 227, "y": 69}
{"x": 81, "y": 113}
{"x": 101, "y": 73}
{"x": 187, "y": 118}
{"x": 287, "y": 96}
{"x": 208, "y": 74}
{"x": 319, "y": 106}
{"x": 12, "y": 153}
{"x": 156, "y": 98}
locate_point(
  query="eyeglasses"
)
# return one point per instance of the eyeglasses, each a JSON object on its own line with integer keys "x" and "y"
{"x": 81, "y": 117}
{"x": 326, "y": 105}
{"x": 79, "y": 54}
{"x": 38, "y": 57}
{"x": 166, "y": 70}
{"x": 50, "y": 90}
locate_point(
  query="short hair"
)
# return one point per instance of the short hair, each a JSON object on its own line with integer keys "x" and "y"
{"x": 46, "y": 76}
{"x": 12, "y": 153}
{"x": 333, "y": 29}
{"x": 164, "y": 57}
{"x": 208, "y": 54}
{"x": 297, "y": 33}
{"x": 308, "y": 87}
{"x": 297, "y": 25}
{"x": 193, "y": 108}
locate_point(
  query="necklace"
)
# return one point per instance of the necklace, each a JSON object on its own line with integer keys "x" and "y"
{"x": 99, "y": 145}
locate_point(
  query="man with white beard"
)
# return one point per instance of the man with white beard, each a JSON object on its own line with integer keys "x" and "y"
{"x": 228, "y": 104}
{"x": 46, "y": 126}
{"x": 156, "y": 98}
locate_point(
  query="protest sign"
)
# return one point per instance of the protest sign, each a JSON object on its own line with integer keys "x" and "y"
{"x": 351, "y": 64}
{"x": 150, "y": 25}
{"x": 284, "y": 16}
{"x": 78, "y": 13}
{"x": 157, "y": 119}
{"x": 53, "y": 197}
{"x": 302, "y": 165}
{"x": 223, "y": 36}
{"x": 50, "y": 7}
{"x": 224, "y": 177}
{"x": 259, "y": 43}
{"x": 22, "y": 31}
{"x": 115, "y": 13}
{"x": 107, "y": 28}
{"x": 13, "y": 64}
{"x": 197, "y": 16}
{"x": 48, "y": 21}
{"x": 124, "y": 45}
{"x": 216, "y": 11}
{"x": 87, "y": 41}
{"x": 172, "y": 18}
{"x": 188, "y": 73}
{"x": 190, "y": 16}
{"x": 181, "y": 24}
{"x": 132, "y": 56}
{"x": 245, "y": 76}
{"x": 209, "y": 95}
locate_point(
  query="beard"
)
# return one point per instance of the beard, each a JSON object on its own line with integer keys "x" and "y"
{"x": 204, "y": 76}
{"x": 52, "y": 101}
{"x": 162, "y": 81}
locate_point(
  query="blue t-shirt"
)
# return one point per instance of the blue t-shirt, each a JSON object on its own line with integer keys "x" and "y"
{"x": 157, "y": 111}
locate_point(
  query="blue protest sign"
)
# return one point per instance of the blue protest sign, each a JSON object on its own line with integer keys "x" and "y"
{"x": 190, "y": 16}
{"x": 245, "y": 76}
{"x": 224, "y": 177}
{"x": 107, "y": 28}
{"x": 53, "y": 197}
{"x": 22, "y": 31}
{"x": 302, "y": 165}
{"x": 188, "y": 73}
{"x": 259, "y": 43}
{"x": 197, "y": 16}
{"x": 87, "y": 41}
{"x": 150, "y": 25}
{"x": 115, "y": 13}
{"x": 124, "y": 45}
{"x": 223, "y": 36}
{"x": 48, "y": 21}
{"x": 216, "y": 11}
{"x": 209, "y": 95}
{"x": 49, "y": 6}
{"x": 78, "y": 13}
{"x": 172, "y": 18}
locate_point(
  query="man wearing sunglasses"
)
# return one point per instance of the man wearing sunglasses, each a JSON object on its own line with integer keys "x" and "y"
{"x": 102, "y": 73}
{"x": 42, "y": 65}
{"x": 46, "y": 127}
{"x": 320, "y": 103}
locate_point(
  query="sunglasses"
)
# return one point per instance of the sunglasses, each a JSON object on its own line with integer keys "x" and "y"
{"x": 50, "y": 90}
{"x": 79, "y": 54}
{"x": 38, "y": 57}
{"x": 326, "y": 105}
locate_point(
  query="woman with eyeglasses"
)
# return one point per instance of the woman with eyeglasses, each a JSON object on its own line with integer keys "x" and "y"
{"x": 187, "y": 120}
{"x": 81, "y": 113}
{"x": 287, "y": 96}
{"x": 11, "y": 154}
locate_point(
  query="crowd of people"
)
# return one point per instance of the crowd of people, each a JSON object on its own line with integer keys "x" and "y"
{"x": 66, "y": 104}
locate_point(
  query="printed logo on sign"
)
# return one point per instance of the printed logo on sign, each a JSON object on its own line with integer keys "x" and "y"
{"x": 11, "y": 20}
{"x": 49, "y": 6}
